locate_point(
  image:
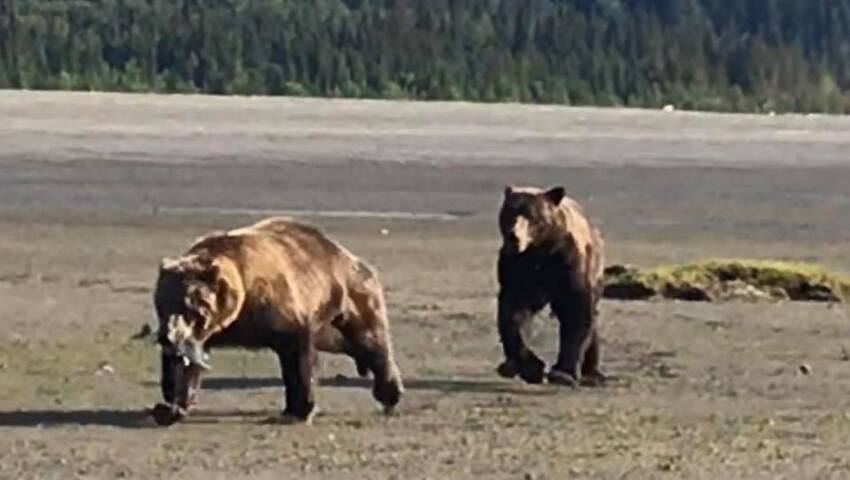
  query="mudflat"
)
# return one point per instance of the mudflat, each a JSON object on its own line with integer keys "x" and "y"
{"x": 96, "y": 188}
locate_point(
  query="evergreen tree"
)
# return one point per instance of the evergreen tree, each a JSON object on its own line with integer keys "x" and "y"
{"x": 741, "y": 55}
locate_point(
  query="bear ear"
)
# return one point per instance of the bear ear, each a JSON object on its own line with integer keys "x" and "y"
{"x": 173, "y": 265}
{"x": 509, "y": 189}
{"x": 555, "y": 195}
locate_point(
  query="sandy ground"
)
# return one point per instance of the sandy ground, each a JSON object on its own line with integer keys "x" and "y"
{"x": 94, "y": 189}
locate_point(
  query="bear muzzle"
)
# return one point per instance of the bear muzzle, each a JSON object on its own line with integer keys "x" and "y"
{"x": 520, "y": 237}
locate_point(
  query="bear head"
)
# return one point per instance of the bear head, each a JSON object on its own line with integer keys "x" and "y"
{"x": 529, "y": 217}
{"x": 193, "y": 299}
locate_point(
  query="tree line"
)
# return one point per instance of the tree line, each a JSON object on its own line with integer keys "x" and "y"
{"x": 722, "y": 55}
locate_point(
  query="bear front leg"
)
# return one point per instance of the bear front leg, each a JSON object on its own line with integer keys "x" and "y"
{"x": 388, "y": 387}
{"x": 298, "y": 363}
{"x": 180, "y": 384}
{"x": 519, "y": 359}
{"x": 577, "y": 337}
{"x": 289, "y": 372}
{"x": 168, "y": 366}
{"x": 168, "y": 413}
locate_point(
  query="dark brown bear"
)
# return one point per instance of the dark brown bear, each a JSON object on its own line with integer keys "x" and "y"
{"x": 276, "y": 284}
{"x": 551, "y": 255}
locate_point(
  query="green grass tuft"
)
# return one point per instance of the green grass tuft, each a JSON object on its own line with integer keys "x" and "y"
{"x": 717, "y": 279}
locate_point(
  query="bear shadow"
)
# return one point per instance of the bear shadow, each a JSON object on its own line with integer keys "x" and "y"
{"x": 82, "y": 417}
{"x": 129, "y": 419}
{"x": 423, "y": 384}
{"x": 141, "y": 419}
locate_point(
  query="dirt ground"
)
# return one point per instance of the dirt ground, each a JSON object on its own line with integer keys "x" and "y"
{"x": 95, "y": 189}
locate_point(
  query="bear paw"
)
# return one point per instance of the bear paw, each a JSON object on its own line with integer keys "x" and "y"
{"x": 530, "y": 370}
{"x": 507, "y": 369}
{"x": 595, "y": 379}
{"x": 291, "y": 418}
{"x": 560, "y": 377}
{"x": 167, "y": 415}
{"x": 390, "y": 410}
{"x": 388, "y": 393}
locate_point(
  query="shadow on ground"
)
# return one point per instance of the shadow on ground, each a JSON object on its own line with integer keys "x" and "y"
{"x": 141, "y": 418}
{"x": 89, "y": 417}
{"x": 426, "y": 384}
{"x": 111, "y": 417}
{"x": 431, "y": 384}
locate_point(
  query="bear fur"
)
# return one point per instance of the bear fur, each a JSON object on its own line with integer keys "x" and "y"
{"x": 277, "y": 284}
{"x": 551, "y": 255}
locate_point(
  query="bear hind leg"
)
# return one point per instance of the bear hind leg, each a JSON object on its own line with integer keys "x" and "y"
{"x": 576, "y": 320}
{"x": 331, "y": 339}
{"x": 372, "y": 348}
{"x": 591, "y": 373}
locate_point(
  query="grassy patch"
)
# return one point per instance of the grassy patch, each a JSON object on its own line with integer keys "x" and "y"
{"x": 722, "y": 279}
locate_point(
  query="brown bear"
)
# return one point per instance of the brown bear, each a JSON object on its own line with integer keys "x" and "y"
{"x": 551, "y": 255}
{"x": 277, "y": 284}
